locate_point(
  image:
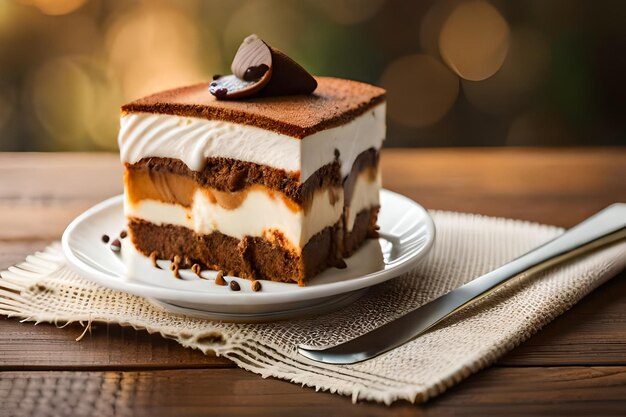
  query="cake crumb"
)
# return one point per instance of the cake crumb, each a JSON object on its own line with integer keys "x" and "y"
{"x": 256, "y": 286}
{"x": 219, "y": 278}
{"x": 153, "y": 258}
{"x": 174, "y": 269}
{"x": 197, "y": 269}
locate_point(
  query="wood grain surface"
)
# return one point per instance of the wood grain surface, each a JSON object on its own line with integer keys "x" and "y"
{"x": 575, "y": 366}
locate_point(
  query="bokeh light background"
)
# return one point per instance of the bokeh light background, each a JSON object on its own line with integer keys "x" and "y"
{"x": 458, "y": 73}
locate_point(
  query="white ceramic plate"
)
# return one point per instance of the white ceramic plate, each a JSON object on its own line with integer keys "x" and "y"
{"x": 407, "y": 233}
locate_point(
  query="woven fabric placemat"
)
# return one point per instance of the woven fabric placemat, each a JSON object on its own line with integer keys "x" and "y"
{"x": 44, "y": 289}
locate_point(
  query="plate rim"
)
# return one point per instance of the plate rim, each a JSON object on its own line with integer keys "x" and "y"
{"x": 305, "y": 293}
{"x": 335, "y": 302}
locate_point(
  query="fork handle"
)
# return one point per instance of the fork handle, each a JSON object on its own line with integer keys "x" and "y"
{"x": 604, "y": 224}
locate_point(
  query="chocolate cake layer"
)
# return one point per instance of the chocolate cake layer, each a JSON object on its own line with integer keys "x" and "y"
{"x": 364, "y": 228}
{"x": 335, "y": 102}
{"x": 250, "y": 257}
{"x": 254, "y": 257}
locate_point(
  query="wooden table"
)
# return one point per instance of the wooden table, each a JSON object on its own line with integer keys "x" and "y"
{"x": 575, "y": 366}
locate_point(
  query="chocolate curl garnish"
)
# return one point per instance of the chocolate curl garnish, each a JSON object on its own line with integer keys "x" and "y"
{"x": 262, "y": 71}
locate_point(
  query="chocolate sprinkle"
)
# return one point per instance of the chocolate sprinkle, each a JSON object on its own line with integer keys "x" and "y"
{"x": 116, "y": 245}
{"x": 234, "y": 285}
{"x": 105, "y": 238}
{"x": 123, "y": 234}
{"x": 340, "y": 264}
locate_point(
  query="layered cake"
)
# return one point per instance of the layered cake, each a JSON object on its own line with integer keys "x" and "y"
{"x": 264, "y": 177}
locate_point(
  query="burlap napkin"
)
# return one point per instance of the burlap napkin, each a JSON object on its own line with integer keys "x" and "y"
{"x": 42, "y": 288}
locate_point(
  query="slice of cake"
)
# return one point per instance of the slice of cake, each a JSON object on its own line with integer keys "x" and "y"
{"x": 262, "y": 186}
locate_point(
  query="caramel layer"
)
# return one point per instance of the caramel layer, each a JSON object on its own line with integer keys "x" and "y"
{"x": 223, "y": 174}
{"x": 159, "y": 186}
{"x": 178, "y": 189}
{"x": 227, "y": 182}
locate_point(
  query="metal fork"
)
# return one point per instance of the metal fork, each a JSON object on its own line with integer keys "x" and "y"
{"x": 607, "y": 226}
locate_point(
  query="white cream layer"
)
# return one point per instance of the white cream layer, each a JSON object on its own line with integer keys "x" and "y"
{"x": 258, "y": 215}
{"x": 192, "y": 140}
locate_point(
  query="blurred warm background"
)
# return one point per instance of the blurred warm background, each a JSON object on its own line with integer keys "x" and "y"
{"x": 458, "y": 73}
